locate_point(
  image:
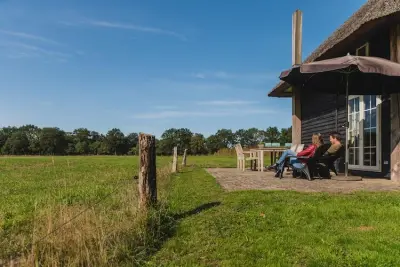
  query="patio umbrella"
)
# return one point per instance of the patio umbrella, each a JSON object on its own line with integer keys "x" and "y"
{"x": 354, "y": 75}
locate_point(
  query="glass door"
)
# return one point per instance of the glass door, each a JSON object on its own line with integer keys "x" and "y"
{"x": 364, "y": 133}
{"x": 354, "y": 134}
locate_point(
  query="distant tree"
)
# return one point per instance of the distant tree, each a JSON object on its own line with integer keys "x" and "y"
{"x": 226, "y": 138}
{"x": 6, "y": 133}
{"x": 198, "y": 145}
{"x": 53, "y": 141}
{"x": 16, "y": 144}
{"x": 30, "y": 139}
{"x": 82, "y": 140}
{"x": 214, "y": 144}
{"x": 286, "y": 135}
{"x": 82, "y": 148}
{"x": 272, "y": 135}
{"x": 94, "y": 147}
{"x": 115, "y": 141}
{"x": 70, "y": 144}
{"x": 249, "y": 137}
{"x": 175, "y": 137}
{"x": 241, "y": 137}
{"x": 104, "y": 149}
{"x": 95, "y": 136}
{"x": 32, "y": 132}
{"x": 132, "y": 140}
{"x": 81, "y": 134}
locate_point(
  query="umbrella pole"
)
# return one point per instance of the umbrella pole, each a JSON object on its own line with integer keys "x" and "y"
{"x": 346, "y": 164}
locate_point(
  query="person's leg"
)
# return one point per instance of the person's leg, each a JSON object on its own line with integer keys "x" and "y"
{"x": 280, "y": 164}
{"x": 285, "y": 154}
{"x": 311, "y": 166}
{"x": 293, "y": 160}
{"x": 279, "y": 161}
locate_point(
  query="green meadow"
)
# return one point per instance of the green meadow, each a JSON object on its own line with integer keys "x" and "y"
{"x": 69, "y": 211}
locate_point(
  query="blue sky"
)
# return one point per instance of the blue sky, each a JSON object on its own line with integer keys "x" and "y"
{"x": 145, "y": 66}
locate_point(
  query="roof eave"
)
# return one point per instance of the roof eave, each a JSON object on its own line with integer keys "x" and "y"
{"x": 283, "y": 89}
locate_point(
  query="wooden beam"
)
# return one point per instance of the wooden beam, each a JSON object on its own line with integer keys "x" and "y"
{"x": 296, "y": 117}
{"x": 297, "y": 26}
{"x": 395, "y": 109}
{"x": 297, "y": 21}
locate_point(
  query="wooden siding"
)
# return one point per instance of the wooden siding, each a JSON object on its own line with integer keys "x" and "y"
{"x": 319, "y": 110}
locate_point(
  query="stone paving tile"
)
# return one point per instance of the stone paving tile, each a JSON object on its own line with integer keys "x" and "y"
{"x": 232, "y": 179}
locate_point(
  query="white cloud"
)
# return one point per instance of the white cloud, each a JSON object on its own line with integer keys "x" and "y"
{"x": 20, "y": 50}
{"x": 133, "y": 27}
{"x": 29, "y": 36}
{"x": 192, "y": 114}
{"x": 177, "y": 85}
{"x": 223, "y": 75}
{"x": 226, "y": 103}
{"x": 165, "y": 107}
{"x": 199, "y": 75}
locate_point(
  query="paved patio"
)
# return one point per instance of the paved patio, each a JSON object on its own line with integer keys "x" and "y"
{"x": 232, "y": 179}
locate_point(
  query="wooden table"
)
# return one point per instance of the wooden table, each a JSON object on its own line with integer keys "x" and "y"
{"x": 275, "y": 153}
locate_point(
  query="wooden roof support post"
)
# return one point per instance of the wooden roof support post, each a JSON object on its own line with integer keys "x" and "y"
{"x": 297, "y": 21}
{"x": 395, "y": 109}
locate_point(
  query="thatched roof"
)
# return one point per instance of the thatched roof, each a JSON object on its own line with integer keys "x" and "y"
{"x": 369, "y": 12}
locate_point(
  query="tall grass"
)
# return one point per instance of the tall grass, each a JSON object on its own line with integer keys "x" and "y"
{"x": 100, "y": 229}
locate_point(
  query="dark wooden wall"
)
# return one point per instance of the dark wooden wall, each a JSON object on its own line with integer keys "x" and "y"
{"x": 322, "y": 113}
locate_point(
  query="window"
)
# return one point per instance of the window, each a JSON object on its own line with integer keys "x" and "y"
{"x": 363, "y": 50}
{"x": 364, "y": 128}
{"x": 364, "y": 133}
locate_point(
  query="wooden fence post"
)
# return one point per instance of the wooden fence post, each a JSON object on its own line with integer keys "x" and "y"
{"x": 147, "y": 170}
{"x": 175, "y": 160}
{"x": 184, "y": 158}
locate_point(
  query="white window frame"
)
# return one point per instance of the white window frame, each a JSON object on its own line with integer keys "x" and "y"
{"x": 361, "y": 167}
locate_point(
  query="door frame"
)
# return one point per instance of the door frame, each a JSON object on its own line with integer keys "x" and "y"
{"x": 377, "y": 168}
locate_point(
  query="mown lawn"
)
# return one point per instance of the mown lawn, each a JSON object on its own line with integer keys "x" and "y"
{"x": 264, "y": 228}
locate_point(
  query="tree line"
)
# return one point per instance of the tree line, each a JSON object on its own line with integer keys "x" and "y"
{"x": 32, "y": 140}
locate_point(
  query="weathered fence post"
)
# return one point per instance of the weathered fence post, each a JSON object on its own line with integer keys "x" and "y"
{"x": 175, "y": 160}
{"x": 184, "y": 158}
{"x": 147, "y": 170}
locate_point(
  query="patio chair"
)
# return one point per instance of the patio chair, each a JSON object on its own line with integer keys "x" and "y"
{"x": 242, "y": 158}
{"x": 327, "y": 163}
{"x": 300, "y": 167}
{"x": 321, "y": 164}
{"x": 299, "y": 148}
{"x": 295, "y": 148}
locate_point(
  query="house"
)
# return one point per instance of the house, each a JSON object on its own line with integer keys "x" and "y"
{"x": 374, "y": 132}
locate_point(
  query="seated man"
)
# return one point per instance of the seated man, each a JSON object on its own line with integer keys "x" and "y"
{"x": 332, "y": 152}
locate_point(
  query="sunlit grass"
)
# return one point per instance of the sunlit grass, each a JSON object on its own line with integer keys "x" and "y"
{"x": 278, "y": 228}
{"x": 38, "y": 194}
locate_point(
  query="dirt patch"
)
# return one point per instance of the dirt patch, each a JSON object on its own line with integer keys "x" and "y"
{"x": 365, "y": 228}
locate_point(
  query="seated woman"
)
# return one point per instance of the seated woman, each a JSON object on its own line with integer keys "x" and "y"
{"x": 316, "y": 141}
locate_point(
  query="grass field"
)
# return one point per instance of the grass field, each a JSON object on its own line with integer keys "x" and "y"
{"x": 40, "y": 193}
{"x": 275, "y": 228}
{"x": 197, "y": 223}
